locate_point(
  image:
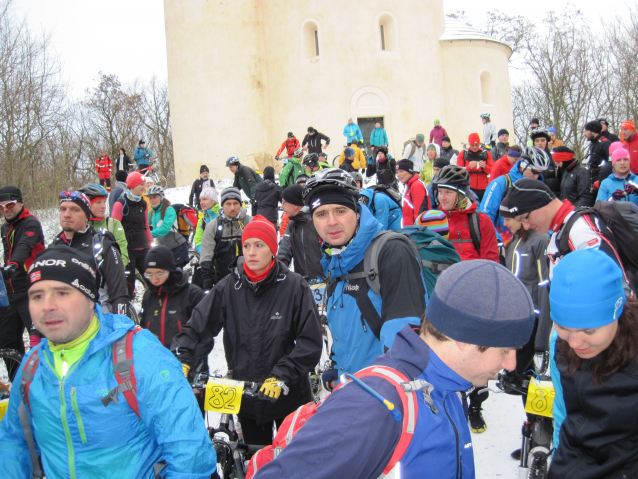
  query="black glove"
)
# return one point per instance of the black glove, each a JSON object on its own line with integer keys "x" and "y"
{"x": 619, "y": 194}
{"x": 631, "y": 189}
{"x": 208, "y": 275}
{"x": 329, "y": 379}
{"x": 9, "y": 271}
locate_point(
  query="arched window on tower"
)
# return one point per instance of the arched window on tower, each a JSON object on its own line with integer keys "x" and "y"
{"x": 310, "y": 40}
{"x": 487, "y": 88}
{"x": 387, "y": 33}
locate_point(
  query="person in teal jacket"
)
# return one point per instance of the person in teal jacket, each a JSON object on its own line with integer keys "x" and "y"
{"x": 161, "y": 220}
{"x": 352, "y": 131}
{"x": 75, "y": 435}
{"x": 378, "y": 136}
{"x": 622, "y": 184}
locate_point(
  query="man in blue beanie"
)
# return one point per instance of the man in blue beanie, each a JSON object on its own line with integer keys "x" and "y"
{"x": 460, "y": 344}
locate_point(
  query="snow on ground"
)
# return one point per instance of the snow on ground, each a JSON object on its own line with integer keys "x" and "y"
{"x": 503, "y": 414}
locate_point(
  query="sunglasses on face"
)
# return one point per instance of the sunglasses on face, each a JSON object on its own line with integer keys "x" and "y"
{"x": 8, "y": 205}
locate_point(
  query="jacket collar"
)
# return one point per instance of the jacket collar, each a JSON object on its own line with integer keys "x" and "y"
{"x": 442, "y": 377}
{"x": 23, "y": 214}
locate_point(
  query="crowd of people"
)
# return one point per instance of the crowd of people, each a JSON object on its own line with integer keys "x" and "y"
{"x": 441, "y": 268}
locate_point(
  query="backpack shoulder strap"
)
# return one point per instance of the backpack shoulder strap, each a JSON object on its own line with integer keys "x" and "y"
{"x": 124, "y": 372}
{"x": 371, "y": 257}
{"x": 27, "y": 376}
{"x": 562, "y": 238}
{"x": 475, "y": 230}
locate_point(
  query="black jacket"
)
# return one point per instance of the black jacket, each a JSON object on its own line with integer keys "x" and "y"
{"x": 385, "y": 171}
{"x": 598, "y": 152}
{"x": 498, "y": 151}
{"x": 110, "y": 276}
{"x": 599, "y": 436}
{"x": 302, "y": 243}
{"x": 575, "y": 185}
{"x": 196, "y": 190}
{"x": 165, "y": 310}
{"x": 449, "y": 152}
{"x": 134, "y": 218}
{"x": 610, "y": 136}
{"x": 314, "y": 142}
{"x": 267, "y": 199}
{"x": 272, "y": 329}
{"x": 125, "y": 162}
{"x": 22, "y": 240}
{"x": 246, "y": 180}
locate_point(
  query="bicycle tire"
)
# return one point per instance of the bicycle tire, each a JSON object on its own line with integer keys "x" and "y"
{"x": 10, "y": 360}
{"x": 335, "y": 161}
{"x": 538, "y": 467}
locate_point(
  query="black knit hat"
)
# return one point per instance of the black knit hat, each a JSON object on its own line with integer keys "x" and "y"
{"x": 269, "y": 173}
{"x": 441, "y": 163}
{"x": 161, "y": 257}
{"x": 534, "y": 121}
{"x": 528, "y": 195}
{"x": 446, "y": 138}
{"x": 503, "y": 131}
{"x": 10, "y": 193}
{"x": 293, "y": 195}
{"x": 594, "y": 126}
{"x": 67, "y": 265}
{"x": 121, "y": 175}
{"x": 203, "y": 168}
{"x": 405, "y": 165}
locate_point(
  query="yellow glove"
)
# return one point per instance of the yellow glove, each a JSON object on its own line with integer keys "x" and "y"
{"x": 186, "y": 368}
{"x": 269, "y": 388}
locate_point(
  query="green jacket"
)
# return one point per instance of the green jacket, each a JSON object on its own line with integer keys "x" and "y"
{"x": 290, "y": 172}
{"x": 427, "y": 171}
{"x": 204, "y": 218}
{"x": 114, "y": 227}
{"x": 247, "y": 179}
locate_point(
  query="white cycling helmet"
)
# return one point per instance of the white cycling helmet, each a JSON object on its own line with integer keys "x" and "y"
{"x": 155, "y": 190}
{"x": 536, "y": 158}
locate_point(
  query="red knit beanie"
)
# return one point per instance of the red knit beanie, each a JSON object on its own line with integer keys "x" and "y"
{"x": 134, "y": 179}
{"x": 262, "y": 229}
{"x": 474, "y": 139}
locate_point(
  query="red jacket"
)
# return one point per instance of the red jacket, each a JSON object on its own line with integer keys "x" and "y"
{"x": 104, "y": 167}
{"x": 500, "y": 168}
{"x": 462, "y": 240}
{"x": 632, "y": 147}
{"x": 478, "y": 176}
{"x": 415, "y": 194}
{"x": 289, "y": 145}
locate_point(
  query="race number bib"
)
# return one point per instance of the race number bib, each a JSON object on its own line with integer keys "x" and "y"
{"x": 223, "y": 395}
{"x": 318, "y": 292}
{"x": 540, "y": 397}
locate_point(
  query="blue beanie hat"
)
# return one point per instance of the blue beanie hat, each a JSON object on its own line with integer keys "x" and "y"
{"x": 348, "y": 152}
{"x": 551, "y": 129}
{"x": 587, "y": 290}
{"x": 499, "y": 312}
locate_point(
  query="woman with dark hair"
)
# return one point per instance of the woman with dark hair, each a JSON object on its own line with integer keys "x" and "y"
{"x": 164, "y": 228}
{"x": 122, "y": 161}
{"x": 594, "y": 368}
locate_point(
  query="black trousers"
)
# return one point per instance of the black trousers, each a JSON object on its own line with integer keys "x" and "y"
{"x": 254, "y": 434}
{"x": 137, "y": 260}
{"x": 108, "y": 183}
{"x": 13, "y": 320}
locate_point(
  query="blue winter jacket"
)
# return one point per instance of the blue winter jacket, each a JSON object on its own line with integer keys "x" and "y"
{"x": 362, "y": 323}
{"x": 77, "y": 436}
{"x": 378, "y": 137}
{"x": 494, "y": 196}
{"x": 559, "y": 411}
{"x": 357, "y": 435}
{"x": 142, "y": 155}
{"x": 352, "y": 131}
{"x": 386, "y": 210}
{"x": 611, "y": 184}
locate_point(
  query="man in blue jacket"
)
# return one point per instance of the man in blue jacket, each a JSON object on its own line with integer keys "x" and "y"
{"x": 64, "y": 399}
{"x": 352, "y": 132}
{"x": 142, "y": 155}
{"x": 460, "y": 344}
{"x": 362, "y": 322}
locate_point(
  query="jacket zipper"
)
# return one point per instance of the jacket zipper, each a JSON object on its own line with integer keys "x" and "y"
{"x": 456, "y": 434}
{"x": 67, "y": 433}
{"x": 163, "y": 319}
{"x": 363, "y": 323}
{"x": 460, "y": 244}
{"x": 78, "y": 417}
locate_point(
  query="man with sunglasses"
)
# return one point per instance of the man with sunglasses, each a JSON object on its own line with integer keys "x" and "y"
{"x": 75, "y": 212}
{"x": 22, "y": 240}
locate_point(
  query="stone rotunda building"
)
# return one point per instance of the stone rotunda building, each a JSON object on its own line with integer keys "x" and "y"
{"x": 242, "y": 73}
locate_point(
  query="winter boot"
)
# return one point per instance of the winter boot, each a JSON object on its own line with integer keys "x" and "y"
{"x": 477, "y": 423}
{"x": 516, "y": 455}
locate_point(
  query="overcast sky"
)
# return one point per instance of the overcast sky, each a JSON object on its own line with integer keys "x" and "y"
{"x": 126, "y": 37}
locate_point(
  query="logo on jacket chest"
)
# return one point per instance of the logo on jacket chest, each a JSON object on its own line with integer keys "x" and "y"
{"x": 276, "y": 316}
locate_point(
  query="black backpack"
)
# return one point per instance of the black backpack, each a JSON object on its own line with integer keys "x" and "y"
{"x": 621, "y": 219}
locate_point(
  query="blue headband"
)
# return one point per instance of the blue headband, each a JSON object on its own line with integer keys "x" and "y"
{"x": 514, "y": 153}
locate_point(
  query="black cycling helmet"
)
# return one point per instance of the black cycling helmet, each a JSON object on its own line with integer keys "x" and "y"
{"x": 540, "y": 132}
{"x": 311, "y": 160}
{"x": 452, "y": 177}
{"x": 334, "y": 179}
{"x": 383, "y": 148}
{"x": 323, "y": 155}
{"x": 93, "y": 191}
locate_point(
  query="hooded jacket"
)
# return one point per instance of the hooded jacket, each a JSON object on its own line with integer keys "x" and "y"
{"x": 271, "y": 329}
{"x": 352, "y": 131}
{"x": 612, "y": 184}
{"x": 22, "y": 240}
{"x": 385, "y": 209}
{"x": 267, "y": 199}
{"x": 166, "y": 309}
{"x": 246, "y": 179}
{"x": 437, "y": 134}
{"x": 290, "y": 172}
{"x": 575, "y": 185}
{"x": 314, "y": 142}
{"x": 462, "y": 239}
{"x": 203, "y": 219}
{"x": 378, "y": 137}
{"x": 216, "y": 259}
{"x": 302, "y": 243}
{"x": 413, "y": 197}
{"x": 596, "y": 427}
{"x": 359, "y": 435}
{"x": 363, "y": 323}
{"x": 77, "y": 436}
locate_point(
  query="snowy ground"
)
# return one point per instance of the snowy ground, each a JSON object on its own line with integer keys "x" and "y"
{"x": 503, "y": 414}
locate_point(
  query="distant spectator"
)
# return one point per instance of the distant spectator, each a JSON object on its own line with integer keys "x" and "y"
{"x": 352, "y": 160}
{"x": 478, "y": 162}
{"x": 554, "y": 142}
{"x": 504, "y": 165}
{"x": 447, "y": 151}
{"x": 312, "y": 141}
{"x": 415, "y": 151}
{"x": 378, "y": 137}
{"x": 122, "y": 161}
{"x": 534, "y": 123}
{"x": 204, "y": 181}
{"x": 142, "y": 155}
{"x": 606, "y": 133}
{"x": 352, "y": 132}
{"x": 432, "y": 153}
{"x": 489, "y": 130}
{"x": 437, "y": 133}
{"x": 267, "y": 197}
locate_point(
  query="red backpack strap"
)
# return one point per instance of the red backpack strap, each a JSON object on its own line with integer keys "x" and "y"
{"x": 410, "y": 408}
{"x": 124, "y": 372}
{"x": 27, "y": 376}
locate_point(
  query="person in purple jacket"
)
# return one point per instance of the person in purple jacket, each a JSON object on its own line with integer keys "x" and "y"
{"x": 437, "y": 133}
{"x": 459, "y": 344}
